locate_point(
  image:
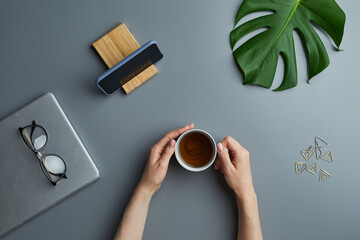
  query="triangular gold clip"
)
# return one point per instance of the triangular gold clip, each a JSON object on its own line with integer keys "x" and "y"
{"x": 307, "y": 153}
{"x": 323, "y": 175}
{"x": 312, "y": 168}
{"x": 327, "y": 157}
{"x": 319, "y": 143}
{"x": 299, "y": 167}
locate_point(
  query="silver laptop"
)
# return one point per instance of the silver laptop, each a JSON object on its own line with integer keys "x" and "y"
{"x": 25, "y": 190}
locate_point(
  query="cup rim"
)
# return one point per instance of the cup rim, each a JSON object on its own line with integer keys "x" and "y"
{"x": 187, "y": 166}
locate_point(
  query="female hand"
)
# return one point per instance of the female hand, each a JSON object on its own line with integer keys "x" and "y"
{"x": 158, "y": 162}
{"x": 234, "y": 163}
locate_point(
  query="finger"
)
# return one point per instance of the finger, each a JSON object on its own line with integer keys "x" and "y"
{"x": 174, "y": 134}
{"x": 230, "y": 143}
{"x": 168, "y": 152}
{"x": 217, "y": 164}
{"x": 224, "y": 158}
{"x": 234, "y": 147}
{"x": 218, "y": 161}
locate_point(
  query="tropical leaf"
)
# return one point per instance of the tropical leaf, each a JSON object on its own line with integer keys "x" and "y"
{"x": 258, "y": 57}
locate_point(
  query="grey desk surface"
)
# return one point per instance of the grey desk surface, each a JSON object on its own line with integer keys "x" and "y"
{"x": 46, "y": 46}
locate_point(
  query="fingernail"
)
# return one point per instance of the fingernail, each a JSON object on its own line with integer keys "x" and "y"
{"x": 172, "y": 143}
{"x": 220, "y": 147}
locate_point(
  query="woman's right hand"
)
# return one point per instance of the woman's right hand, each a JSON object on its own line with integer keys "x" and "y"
{"x": 234, "y": 162}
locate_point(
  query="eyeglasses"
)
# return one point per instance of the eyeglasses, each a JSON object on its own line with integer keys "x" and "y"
{"x": 52, "y": 165}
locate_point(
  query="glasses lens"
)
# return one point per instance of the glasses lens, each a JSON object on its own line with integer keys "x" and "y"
{"x": 54, "y": 165}
{"x": 35, "y": 136}
{"x": 38, "y": 138}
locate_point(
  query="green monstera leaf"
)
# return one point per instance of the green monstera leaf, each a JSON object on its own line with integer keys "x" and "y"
{"x": 258, "y": 57}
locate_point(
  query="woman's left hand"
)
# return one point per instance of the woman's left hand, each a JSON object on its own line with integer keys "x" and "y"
{"x": 158, "y": 162}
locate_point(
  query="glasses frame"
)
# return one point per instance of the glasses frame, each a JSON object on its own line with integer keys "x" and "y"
{"x": 42, "y": 157}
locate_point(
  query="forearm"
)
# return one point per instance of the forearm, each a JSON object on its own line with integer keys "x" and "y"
{"x": 249, "y": 227}
{"x": 133, "y": 222}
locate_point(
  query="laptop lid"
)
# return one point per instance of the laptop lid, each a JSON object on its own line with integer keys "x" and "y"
{"x": 24, "y": 190}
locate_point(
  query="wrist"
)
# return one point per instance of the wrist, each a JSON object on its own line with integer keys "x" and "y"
{"x": 246, "y": 196}
{"x": 146, "y": 189}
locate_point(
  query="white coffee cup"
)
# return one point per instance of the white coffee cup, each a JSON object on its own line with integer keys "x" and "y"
{"x": 185, "y": 164}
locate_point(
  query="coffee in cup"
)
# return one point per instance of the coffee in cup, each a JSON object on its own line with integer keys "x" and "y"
{"x": 195, "y": 150}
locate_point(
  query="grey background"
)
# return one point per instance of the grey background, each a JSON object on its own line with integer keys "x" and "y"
{"x": 46, "y": 46}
